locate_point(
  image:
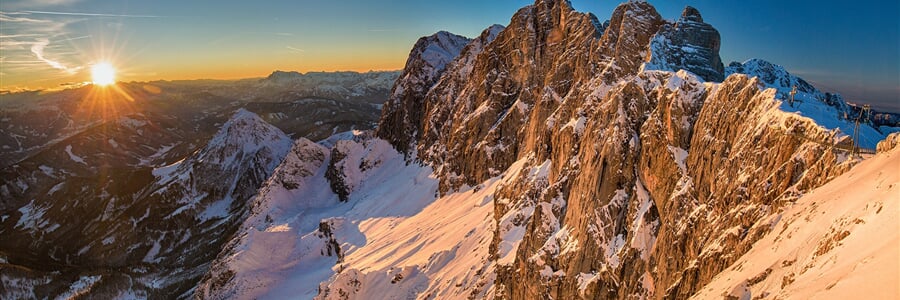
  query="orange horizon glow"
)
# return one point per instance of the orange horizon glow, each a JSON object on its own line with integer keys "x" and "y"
{"x": 107, "y": 102}
{"x": 175, "y": 74}
{"x": 217, "y": 66}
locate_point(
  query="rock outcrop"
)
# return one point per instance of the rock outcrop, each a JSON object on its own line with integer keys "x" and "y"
{"x": 402, "y": 116}
{"x": 891, "y": 142}
{"x": 688, "y": 44}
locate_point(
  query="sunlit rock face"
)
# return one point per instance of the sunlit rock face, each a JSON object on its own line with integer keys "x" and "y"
{"x": 402, "y": 116}
{"x": 653, "y": 177}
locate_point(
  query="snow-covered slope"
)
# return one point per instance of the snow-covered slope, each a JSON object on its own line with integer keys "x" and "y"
{"x": 393, "y": 239}
{"x": 299, "y": 233}
{"x": 826, "y": 109}
{"x": 840, "y": 241}
{"x": 239, "y": 157}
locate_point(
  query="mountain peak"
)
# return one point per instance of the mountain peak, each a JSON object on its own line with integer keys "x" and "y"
{"x": 495, "y": 29}
{"x": 552, "y": 2}
{"x": 691, "y": 14}
{"x": 688, "y": 44}
{"x": 402, "y": 114}
{"x": 436, "y": 51}
{"x": 243, "y": 113}
{"x": 278, "y": 74}
{"x": 245, "y": 132}
{"x": 771, "y": 74}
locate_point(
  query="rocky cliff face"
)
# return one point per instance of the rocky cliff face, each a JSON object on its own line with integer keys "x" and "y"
{"x": 648, "y": 182}
{"x": 401, "y": 119}
{"x": 688, "y": 44}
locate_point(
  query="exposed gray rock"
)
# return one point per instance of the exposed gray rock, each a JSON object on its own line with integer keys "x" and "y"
{"x": 688, "y": 44}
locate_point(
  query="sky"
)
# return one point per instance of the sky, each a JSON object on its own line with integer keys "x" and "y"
{"x": 852, "y": 48}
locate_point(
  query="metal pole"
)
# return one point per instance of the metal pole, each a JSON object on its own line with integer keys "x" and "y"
{"x": 793, "y": 92}
{"x": 865, "y": 111}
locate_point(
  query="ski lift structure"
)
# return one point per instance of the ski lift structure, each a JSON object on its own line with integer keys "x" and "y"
{"x": 854, "y": 149}
{"x": 865, "y": 112}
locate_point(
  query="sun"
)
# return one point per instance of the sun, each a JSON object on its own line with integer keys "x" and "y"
{"x": 103, "y": 74}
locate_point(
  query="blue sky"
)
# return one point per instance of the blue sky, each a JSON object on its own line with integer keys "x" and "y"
{"x": 849, "y": 47}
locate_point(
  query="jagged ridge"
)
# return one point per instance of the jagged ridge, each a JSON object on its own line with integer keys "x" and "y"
{"x": 633, "y": 195}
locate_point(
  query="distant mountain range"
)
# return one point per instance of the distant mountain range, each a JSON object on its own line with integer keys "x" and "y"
{"x": 141, "y": 193}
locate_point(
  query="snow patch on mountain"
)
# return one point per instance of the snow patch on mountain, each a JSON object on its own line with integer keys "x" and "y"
{"x": 245, "y": 149}
{"x": 80, "y": 287}
{"x": 32, "y": 216}
{"x": 74, "y": 157}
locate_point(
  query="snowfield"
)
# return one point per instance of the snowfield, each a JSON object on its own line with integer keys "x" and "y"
{"x": 396, "y": 239}
{"x": 836, "y": 242}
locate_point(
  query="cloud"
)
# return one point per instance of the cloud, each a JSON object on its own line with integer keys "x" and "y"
{"x": 298, "y": 50}
{"x": 27, "y": 41}
{"x": 75, "y": 38}
{"x": 26, "y": 4}
{"x": 14, "y": 17}
{"x": 82, "y": 14}
{"x": 38, "y": 50}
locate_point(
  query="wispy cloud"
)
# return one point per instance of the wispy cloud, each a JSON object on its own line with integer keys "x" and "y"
{"x": 14, "y": 17}
{"x": 83, "y": 14}
{"x": 75, "y": 38}
{"x": 32, "y": 4}
{"x": 28, "y": 41}
{"x": 45, "y": 40}
{"x": 298, "y": 50}
{"x": 38, "y": 50}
